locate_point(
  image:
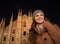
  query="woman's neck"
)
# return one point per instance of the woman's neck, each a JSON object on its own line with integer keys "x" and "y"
{"x": 40, "y": 26}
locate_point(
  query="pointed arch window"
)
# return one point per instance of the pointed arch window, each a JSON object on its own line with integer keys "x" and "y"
{"x": 24, "y": 24}
{"x": 4, "y": 39}
{"x": 24, "y": 33}
{"x": 12, "y": 39}
{"x": 13, "y": 31}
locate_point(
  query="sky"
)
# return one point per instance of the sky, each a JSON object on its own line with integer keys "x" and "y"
{"x": 50, "y": 8}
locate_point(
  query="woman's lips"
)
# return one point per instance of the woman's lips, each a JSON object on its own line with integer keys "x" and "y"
{"x": 40, "y": 19}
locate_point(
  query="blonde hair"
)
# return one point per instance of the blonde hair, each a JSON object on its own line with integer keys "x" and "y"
{"x": 33, "y": 34}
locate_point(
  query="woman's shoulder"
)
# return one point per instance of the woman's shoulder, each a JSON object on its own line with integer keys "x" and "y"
{"x": 56, "y": 26}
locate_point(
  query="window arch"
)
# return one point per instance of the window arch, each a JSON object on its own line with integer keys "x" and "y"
{"x": 13, "y": 31}
{"x": 4, "y": 39}
{"x": 24, "y": 33}
{"x": 12, "y": 38}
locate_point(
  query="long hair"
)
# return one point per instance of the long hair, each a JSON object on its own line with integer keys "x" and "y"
{"x": 33, "y": 33}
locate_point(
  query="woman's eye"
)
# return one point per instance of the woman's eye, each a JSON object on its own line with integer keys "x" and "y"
{"x": 41, "y": 14}
{"x": 37, "y": 15}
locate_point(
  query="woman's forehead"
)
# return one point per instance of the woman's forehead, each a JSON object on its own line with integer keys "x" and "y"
{"x": 39, "y": 13}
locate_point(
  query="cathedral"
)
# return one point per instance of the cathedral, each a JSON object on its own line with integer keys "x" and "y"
{"x": 17, "y": 32}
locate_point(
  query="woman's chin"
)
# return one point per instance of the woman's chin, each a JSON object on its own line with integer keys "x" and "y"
{"x": 39, "y": 22}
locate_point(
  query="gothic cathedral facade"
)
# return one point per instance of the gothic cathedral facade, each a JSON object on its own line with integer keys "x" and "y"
{"x": 17, "y": 32}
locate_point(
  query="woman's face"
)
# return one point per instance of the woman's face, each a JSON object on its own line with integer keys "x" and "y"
{"x": 39, "y": 17}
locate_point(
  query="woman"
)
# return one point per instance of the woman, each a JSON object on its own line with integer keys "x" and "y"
{"x": 43, "y": 31}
